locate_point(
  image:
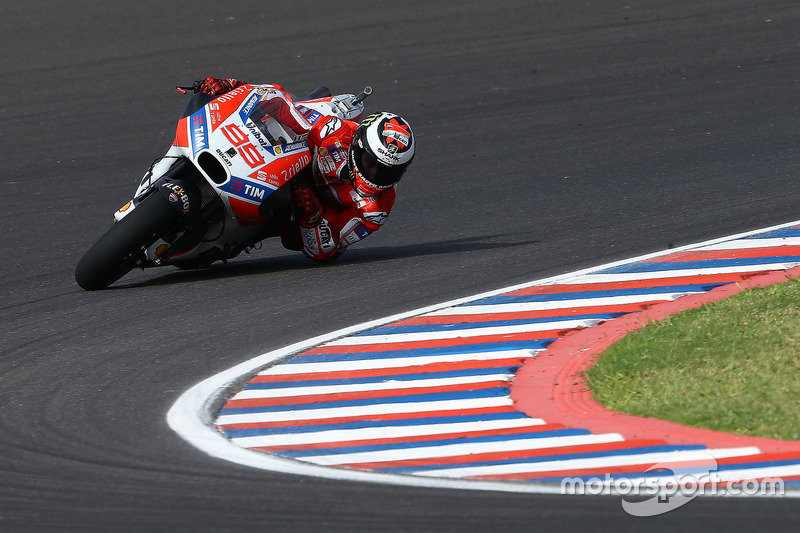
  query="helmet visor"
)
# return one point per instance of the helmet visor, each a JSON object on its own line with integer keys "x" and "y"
{"x": 373, "y": 172}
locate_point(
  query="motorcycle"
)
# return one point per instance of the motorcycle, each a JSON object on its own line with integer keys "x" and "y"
{"x": 222, "y": 187}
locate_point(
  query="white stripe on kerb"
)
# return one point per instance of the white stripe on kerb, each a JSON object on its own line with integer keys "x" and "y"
{"x": 457, "y": 450}
{"x": 378, "y": 432}
{"x": 363, "y": 411}
{"x": 289, "y": 392}
{"x": 373, "y": 362}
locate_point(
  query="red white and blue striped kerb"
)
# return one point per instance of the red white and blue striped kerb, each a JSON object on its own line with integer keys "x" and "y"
{"x": 430, "y": 395}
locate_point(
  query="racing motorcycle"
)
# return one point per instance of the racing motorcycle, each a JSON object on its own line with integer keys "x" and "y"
{"x": 221, "y": 188}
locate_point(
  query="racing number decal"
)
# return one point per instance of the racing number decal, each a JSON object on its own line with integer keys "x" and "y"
{"x": 248, "y": 151}
{"x": 251, "y": 155}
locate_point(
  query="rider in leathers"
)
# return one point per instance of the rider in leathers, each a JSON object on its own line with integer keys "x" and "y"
{"x": 355, "y": 167}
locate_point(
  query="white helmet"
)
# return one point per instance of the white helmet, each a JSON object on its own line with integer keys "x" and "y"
{"x": 383, "y": 147}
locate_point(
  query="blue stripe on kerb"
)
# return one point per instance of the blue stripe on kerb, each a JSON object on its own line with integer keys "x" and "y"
{"x": 467, "y": 372}
{"x": 343, "y": 450}
{"x": 781, "y": 233}
{"x": 542, "y": 459}
{"x": 633, "y": 268}
{"x": 589, "y": 294}
{"x": 290, "y": 429}
{"x": 429, "y": 328}
{"x": 466, "y": 350}
{"x": 667, "y": 471}
{"x": 494, "y": 392}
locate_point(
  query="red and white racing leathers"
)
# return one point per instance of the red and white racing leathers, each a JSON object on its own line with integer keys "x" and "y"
{"x": 347, "y": 216}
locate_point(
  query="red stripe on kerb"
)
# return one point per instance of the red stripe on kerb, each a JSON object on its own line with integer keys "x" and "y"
{"x": 422, "y": 439}
{"x": 467, "y": 363}
{"x": 634, "y": 284}
{"x": 439, "y": 343}
{"x": 344, "y": 396}
{"x": 707, "y": 255}
{"x": 513, "y": 454}
{"x": 373, "y": 417}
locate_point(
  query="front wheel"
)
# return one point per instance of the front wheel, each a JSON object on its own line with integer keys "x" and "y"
{"x": 119, "y": 250}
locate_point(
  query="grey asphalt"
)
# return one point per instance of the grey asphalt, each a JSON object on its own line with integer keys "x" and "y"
{"x": 553, "y": 135}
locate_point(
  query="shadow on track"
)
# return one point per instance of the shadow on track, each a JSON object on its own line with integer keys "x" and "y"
{"x": 249, "y": 267}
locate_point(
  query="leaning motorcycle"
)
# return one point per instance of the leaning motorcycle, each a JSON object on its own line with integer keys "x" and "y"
{"x": 221, "y": 188}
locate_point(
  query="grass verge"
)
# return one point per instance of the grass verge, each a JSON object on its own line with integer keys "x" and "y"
{"x": 731, "y": 365}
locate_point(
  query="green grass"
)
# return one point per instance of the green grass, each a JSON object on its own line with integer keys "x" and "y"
{"x": 731, "y": 365}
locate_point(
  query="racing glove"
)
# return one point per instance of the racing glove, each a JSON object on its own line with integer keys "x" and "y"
{"x": 215, "y": 86}
{"x": 307, "y": 207}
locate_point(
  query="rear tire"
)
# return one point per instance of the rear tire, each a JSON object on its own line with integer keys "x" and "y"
{"x": 117, "y": 252}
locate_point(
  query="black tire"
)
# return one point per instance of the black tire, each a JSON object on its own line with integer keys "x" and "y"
{"x": 118, "y": 250}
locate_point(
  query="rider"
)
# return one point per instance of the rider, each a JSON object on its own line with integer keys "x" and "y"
{"x": 355, "y": 167}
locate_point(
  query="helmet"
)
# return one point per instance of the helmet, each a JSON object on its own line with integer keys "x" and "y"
{"x": 382, "y": 148}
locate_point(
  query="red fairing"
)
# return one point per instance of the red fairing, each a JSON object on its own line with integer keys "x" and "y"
{"x": 347, "y": 217}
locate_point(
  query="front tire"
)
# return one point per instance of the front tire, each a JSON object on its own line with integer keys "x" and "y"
{"x": 118, "y": 251}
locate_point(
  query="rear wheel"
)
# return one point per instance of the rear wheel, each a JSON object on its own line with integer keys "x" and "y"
{"x": 117, "y": 252}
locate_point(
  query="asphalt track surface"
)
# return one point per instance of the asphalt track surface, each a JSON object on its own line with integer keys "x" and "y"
{"x": 553, "y": 135}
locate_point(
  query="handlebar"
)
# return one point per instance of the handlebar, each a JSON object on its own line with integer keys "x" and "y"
{"x": 360, "y": 97}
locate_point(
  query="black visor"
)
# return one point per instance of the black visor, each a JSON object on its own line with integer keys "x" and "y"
{"x": 372, "y": 171}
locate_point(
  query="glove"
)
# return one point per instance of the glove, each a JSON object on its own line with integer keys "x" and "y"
{"x": 307, "y": 207}
{"x": 215, "y": 86}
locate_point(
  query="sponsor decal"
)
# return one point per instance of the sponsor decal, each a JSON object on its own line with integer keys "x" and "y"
{"x": 389, "y": 153}
{"x": 377, "y": 217}
{"x": 326, "y": 164}
{"x": 248, "y": 150}
{"x": 337, "y": 152}
{"x": 214, "y": 115}
{"x": 267, "y": 177}
{"x": 199, "y": 131}
{"x": 178, "y": 196}
{"x": 231, "y": 95}
{"x": 318, "y": 239}
{"x": 247, "y": 107}
{"x": 249, "y": 191}
{"x": 362, "y": 231}
{"x": 330, "y": 127}
{"x": 309, "y": 114}
{"x": 370, "y": 119}
{"x": 282, "y": 170}
{"x": 360, "y": 200}
{"x": 255, "y": 132}
{"x": 224, "y": 156}
{"x": 325, "y": 236}
{"x": 353, "y": 232}
{"x": 396, "y": 133}
{"x": 295, "y": 146}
